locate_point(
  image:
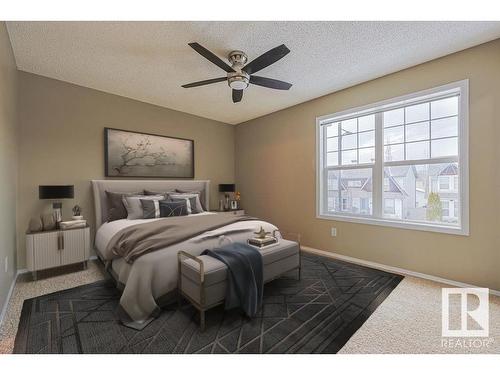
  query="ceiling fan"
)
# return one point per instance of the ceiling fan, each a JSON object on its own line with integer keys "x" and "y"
{"x": 239, "y": 75}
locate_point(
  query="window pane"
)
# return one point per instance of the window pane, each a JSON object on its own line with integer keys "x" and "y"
{"x": 417, "y": 132}
{"x": 333, "y": 191}
{"x": 349, "y": 141}
{"x": 349, "y": 157}
{"x": 445, "y": 147}
{"x": 416, "y": 194}
{"x": 332, "y": 130}
{"x": 446, "y": 127}
{"x": 394, "y": 153}
{"x": 356, "y": 193}
{"x": 419, "y": 112}
{"x": 394, "y": 135}
{"x": 367, "y": 139}
{"x": 394, "y": 117}
{"x": 389, "y": 206}
{"x": 366, "y": 123}
{"x": 332, "y": 158}
{"x": 349, "y": 126}
{"x": 332, "y": 144}
{"x": 417, "y": 150}
{"x": 444, "y": 107}
{"x": 367, "y": 155}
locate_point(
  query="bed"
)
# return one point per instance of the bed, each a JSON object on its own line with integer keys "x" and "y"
{"x": 150, "y": 281}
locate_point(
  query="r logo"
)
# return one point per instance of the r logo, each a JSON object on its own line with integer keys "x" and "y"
{"x": 479, "y": 314}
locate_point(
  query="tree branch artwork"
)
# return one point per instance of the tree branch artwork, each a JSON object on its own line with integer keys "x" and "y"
{"x": 141, "y": 154}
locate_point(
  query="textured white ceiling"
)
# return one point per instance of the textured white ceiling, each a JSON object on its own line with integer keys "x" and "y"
{"x": 149, "y": 61}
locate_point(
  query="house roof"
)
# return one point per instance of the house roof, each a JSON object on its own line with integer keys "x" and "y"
{"x": 449, "y": 170}
{"x": 394, "y": 187}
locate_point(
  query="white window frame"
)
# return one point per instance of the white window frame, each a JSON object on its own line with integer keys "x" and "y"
{"x": 461, "y": 87}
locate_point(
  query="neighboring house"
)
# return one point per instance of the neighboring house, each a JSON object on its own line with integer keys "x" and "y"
{"x": 446, "y": 184}
{"x": 406, "y": 191}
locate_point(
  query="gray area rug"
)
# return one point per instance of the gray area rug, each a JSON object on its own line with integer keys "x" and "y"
{"x": 316, "y": 314}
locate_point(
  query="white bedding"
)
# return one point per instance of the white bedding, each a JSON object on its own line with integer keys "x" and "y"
{"x": 155, "y": 274}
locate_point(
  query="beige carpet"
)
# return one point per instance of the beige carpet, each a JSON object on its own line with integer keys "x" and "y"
{"x": 408, "y": 321}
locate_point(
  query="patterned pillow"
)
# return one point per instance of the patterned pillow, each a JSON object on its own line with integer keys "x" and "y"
{"x": 190, "y": 203}
{"x": 194, "y": 208}
{"x": 169, "y": 208}
{"x": 153, "y": 209}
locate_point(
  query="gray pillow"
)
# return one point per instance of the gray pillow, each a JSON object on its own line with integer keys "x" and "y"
{"x": 201, "y": 193}
{"x": 196, "y": 196}
{"x": 116, "y": 208}
{"x": 191, "y": 207}
{"x": 154, "y": 209}
{"x": 169, "y": 208}
{"x": 150, "y": 192}
{"x": 134, "y": 207}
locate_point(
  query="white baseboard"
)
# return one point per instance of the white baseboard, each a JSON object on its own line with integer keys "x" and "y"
{"x": 7, "y": 300}
{"x": 392, "y": 269}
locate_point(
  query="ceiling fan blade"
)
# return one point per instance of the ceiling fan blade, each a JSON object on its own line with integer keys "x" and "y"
{"x": 211, "y": 57}
{"x": 237, "y": 95}
{"x": 266, "y": 59}
{"x": 205, "y": 82}
{"x": 270, "y": 83}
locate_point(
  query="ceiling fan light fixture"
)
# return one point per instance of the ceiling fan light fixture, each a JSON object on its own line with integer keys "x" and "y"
{"x": 240, "y": 74}
{"x": 238, "y": 81}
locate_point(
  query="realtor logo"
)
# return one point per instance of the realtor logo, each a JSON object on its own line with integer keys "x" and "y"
{"x": 468, "y": 314}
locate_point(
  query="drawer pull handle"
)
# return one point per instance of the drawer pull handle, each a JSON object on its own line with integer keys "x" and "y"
{"x": 60, "y": 241}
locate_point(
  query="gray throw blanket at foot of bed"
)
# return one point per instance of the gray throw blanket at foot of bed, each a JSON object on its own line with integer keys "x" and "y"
{"x": 245, "y": 276}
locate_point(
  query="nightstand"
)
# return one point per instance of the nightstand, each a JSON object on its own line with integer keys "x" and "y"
{"x": 55, "y": 248}
{"x": 238, "y": 212}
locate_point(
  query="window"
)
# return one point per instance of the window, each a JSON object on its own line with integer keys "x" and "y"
{"x": 445, "y": 208}
{"x": 402, "y": 162}
{"x": 444, "y": 183}
{"x": 389, "y": 206}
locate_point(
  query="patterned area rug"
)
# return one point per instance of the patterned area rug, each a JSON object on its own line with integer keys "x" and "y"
{"x": 316, "y": 314}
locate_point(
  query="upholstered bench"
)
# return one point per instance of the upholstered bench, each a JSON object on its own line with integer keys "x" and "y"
{"x": 202, "y": 279}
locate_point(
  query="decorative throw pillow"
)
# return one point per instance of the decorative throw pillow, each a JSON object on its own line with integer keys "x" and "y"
{"x": 169, "y": 208}
{"x": 150, "y": 208}
{"x": 190, "y": 203}
{"x": 134, "y": 207}
{"x": 197, "y": 206}
{"x": 150, "y": 192}
{"x": 116, "y": 208}
{"x": 201, "y": 194}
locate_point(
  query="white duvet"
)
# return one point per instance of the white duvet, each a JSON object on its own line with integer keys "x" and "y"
{"x": 155, "y": 274}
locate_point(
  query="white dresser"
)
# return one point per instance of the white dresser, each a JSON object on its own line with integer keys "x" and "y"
{"x": 57, "y": 248}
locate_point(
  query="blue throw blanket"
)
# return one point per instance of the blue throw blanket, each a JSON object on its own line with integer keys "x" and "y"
{"x": 245, "y": 276}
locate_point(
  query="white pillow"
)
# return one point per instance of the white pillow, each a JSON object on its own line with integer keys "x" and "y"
{"x": 134, "y": 207}
{"x": 186, "y": 196}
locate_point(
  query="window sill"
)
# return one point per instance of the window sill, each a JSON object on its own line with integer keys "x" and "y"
{"x": 460, "y": 231}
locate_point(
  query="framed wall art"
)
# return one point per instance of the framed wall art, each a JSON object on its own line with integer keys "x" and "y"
{"x": 133, "y": 154}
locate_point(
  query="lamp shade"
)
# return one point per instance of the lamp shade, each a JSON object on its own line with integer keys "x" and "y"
{"x": 56, "y": 191}
{"x": 226, "y": 188}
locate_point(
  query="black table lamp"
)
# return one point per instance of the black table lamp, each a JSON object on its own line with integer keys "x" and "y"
{"x": 226, "y": 189}
{"x": 56, "y": 192}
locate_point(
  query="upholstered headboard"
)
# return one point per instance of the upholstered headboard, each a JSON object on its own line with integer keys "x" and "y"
{"x": 99, "y": 188}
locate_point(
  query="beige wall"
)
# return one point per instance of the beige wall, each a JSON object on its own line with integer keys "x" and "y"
{"x": 275, "y": 171}
{"x": 61, "y": 142}
{"x": 8, "y": 163}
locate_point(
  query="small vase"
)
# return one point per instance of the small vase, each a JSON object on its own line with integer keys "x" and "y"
{"x": 49, "y": 223}
{"x": 35, "y": 224}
